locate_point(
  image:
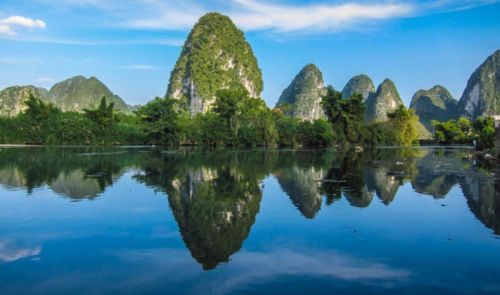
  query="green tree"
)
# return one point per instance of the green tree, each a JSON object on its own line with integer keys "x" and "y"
{"x": 35, "y": 121}
{"x": 316, "y": 134}
{"x": 404, "y": 123}
{"x": 103, "y": 115}
{"x": 160, "y": 122}
{"x": 213, "y": 131}
{"x": 249, "y": 120}
{"x": 288, "y": 130}
{"x": 38, "y": 110}
{"x": 228, "y": 106}
{"x": 484, "y": 129}
{"x": 453, "y": 131}
{"x": 346, "y": 117}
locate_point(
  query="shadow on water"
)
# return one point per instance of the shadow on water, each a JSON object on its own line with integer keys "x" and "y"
{"x": 215, "y": 196}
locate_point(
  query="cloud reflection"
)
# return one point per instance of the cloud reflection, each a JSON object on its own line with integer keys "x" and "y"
{"x": 10, "y": 252}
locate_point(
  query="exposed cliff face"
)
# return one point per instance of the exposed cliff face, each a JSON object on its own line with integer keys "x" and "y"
{"x": 12, "y": 99}
{"x": 384, "y": 101}
{"x": 302, "y": 98}
{"x": 215, "y": 56}
{"x": 360, "y": 84}
{"x": 78, "y": 93}
{"x": 482, "y": 94}
{"x": 434, "y": 104}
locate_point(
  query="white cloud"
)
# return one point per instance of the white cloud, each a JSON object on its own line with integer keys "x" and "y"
{"x": 76, "y": 42}
{"x": 258, "y": 15}
{"x": 245, "y": 268}
{"x": 253, "y": 15}
{"x": 5, "y": 30}
{"x": 20, "y": 60}
{"x": 9, "y": 24}
{"x": 282, "y": 16}
{"x": 453, "y": 5}
{"x": 10, "y": 252}
{"x": 265, "y": 15}
{"x": 45, "y": 80}
{"x": 143, "y": 67}
{"x": 178, "y": 15}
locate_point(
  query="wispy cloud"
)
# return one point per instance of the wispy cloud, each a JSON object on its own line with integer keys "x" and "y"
{"x": 178, "y": 15}
{"x": 246, "y": 268}
{"x": 45, "y": 81}
{"x": 9, "y": 25}
{"x": 77, "y": 42}
{"x": 265, "y": 15}
{"x": 285, "y": 16}
{"x": 20, "y": 60}
{"x": 142, "y": 67}
{"x": 10, "y": 252}
{"x": 259, "y": 15}
{"x": 440, "y": 6}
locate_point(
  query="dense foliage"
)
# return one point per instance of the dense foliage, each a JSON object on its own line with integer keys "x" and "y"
{"x": 215, "y": 55}
{"x": 236, "y": 120}
{"x": 346, "y": 117}
{"x": 43, "y": 123}
{"x": 349, "y": 127}
{"x": 462, "y": 131}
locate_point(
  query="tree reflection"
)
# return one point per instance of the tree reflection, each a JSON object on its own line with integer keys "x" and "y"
{"x": 299, "y": 175}
{"x": 214, "y": 198}
{"x": 73, "y": 173}
{"x": 483, "y": 197}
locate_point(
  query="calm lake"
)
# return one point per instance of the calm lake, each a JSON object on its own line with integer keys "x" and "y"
{"x": 139, "y": 220}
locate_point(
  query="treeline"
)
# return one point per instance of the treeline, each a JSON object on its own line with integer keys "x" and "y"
{"x": 236, "y": 120}
{"x": 43, "y": 123}
{"x": 481, "y": 132}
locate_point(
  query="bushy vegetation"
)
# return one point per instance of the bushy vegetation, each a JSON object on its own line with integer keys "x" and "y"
{"x": 43, "y": 123}
{"x": 346, "y": 117}
{"x": 349, "y": 127}
{"x": 236, "y": 120}
{"x": 213, "y": 45}
{"x": 463, "y": 131}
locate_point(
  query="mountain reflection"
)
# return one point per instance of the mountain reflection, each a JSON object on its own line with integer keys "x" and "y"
{"x": 74, "y": 173}
{"x": 299, "y": 175}
{"x": 215, "y": 196}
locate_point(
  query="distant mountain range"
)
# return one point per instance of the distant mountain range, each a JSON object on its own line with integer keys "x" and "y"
{"x": 74, "y": 94}
{"x": 216, "y": 56}
{"x": 480, "y": 97}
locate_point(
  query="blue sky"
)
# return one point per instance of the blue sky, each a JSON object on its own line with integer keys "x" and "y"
{"x": 132, "y": 45}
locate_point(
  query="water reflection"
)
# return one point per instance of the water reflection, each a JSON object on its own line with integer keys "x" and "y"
{"x": 214, "y": 205}
{"x": 10, "y": 252}
{"x": 74, "y": 173}
{"x": 215, "y": 196}
{"x": 299, "y": 175}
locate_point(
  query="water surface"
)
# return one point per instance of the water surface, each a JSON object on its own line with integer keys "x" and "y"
{"x": 138, "y": 220}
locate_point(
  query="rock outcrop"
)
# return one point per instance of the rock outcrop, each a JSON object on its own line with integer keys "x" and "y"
{"x": 434, "y": 104}
{"x": 12, "y": 99}
{"x": 215, "y": 56}
{"x": 384, "y": 101}
{"x": 79, "y": 93}
{"x": 302, "y": 98}
{"x": 482, "y": 94}
{"x": 360, "y": 84}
